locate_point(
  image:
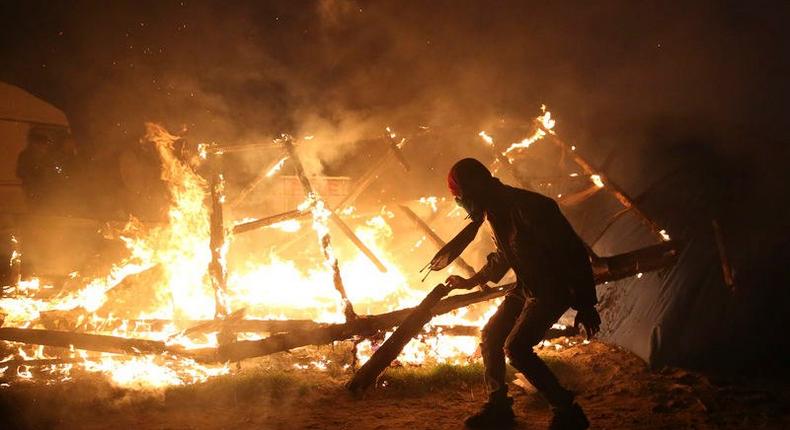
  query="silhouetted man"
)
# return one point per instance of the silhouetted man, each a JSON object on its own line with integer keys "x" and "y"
{"x": 553, "y": 274}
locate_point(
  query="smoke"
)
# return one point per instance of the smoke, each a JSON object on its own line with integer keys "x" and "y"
{"x": 616, "y": 75}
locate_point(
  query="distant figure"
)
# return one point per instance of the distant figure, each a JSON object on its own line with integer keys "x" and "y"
{"x": 553, "y": 274}
{"x": 37, "y": 166}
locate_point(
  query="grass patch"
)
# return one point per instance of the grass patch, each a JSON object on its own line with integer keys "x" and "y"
{"x": 250, "y": 385}
{"x": 426, "y": 379}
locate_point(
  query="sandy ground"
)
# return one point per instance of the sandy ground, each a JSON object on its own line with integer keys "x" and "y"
{"x": 614, "y": 387}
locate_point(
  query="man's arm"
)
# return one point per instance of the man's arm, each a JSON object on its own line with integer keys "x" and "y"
{"x": 493, "y": 271}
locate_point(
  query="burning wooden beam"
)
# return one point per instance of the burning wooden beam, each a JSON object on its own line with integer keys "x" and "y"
{"x": 216, "y": 267}
{"x": 308, "y": 188}
{"x": 362, "y": 326}
{"x": 389, "y": 350}
{"x": 605, "y": 182}
{"x": 325, "y": 238}
{"x": 90, "y": 342}
{"x": 269, "y": 220}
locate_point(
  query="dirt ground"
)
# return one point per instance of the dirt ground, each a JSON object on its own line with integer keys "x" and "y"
{"x": 614, "y": 387}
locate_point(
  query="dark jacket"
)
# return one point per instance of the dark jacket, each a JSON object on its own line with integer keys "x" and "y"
{"x": 536, "y": 240}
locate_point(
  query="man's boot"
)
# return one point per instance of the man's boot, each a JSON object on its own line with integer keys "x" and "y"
{"x": 569, "y": 417}
{"x": 496, "y": 413}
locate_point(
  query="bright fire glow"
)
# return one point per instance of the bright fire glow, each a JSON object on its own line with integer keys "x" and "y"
{"x": 171, "y": 260}
{"x": 276, "y": 167}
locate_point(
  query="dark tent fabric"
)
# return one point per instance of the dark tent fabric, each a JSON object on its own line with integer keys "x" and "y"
{"x": 679, "y": 315}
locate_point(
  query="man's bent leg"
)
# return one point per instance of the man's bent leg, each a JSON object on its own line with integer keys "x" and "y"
{"x": 497, "y": 412}
{"x": 494, "y": 335}
{"x": 535, "y": 319}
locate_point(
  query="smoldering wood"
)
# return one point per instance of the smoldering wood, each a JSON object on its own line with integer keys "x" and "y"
{"x": 13, "y": 364}
{"x": 90, "y": 342}
{"x": 613, "y": 268}
{"x": 362, "y": 326}
{"x": 389, "y": 350}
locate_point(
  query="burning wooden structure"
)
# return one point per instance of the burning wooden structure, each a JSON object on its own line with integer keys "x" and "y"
{"x": 203, "y": 244}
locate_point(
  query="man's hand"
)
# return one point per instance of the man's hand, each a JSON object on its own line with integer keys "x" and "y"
{"x": 589, "y": 318}
{"x": 460, "y": 283}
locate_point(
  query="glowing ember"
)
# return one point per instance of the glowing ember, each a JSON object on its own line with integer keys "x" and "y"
{"x": 486, "y": 137}
{"x": 596, "y": 179}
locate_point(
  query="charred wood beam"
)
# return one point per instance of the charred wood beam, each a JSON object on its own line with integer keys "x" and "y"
{"x": 611, "y": 186}
{"x": 394, "y": 150}
{"x": 362, "y": 326}
{"x": 90, "y": 342}
{"x": 389, "y": 350}
{"x": 642, "y": 260}
{"x": 365, "y": 181}
{"x": 232, "y": 323}
{"x": 216, "y": 267}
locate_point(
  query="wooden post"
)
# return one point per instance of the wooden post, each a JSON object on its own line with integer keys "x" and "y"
{"x": 216, "y": 267}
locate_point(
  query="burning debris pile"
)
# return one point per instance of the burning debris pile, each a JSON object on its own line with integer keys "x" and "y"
{"x": 174, "y": 311}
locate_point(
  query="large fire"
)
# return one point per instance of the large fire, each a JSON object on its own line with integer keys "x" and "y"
{"x": 174, "y": 257}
